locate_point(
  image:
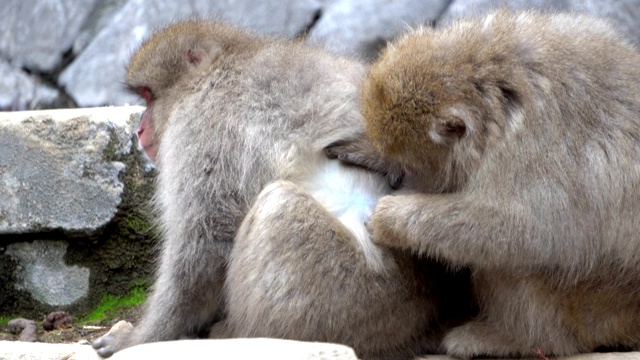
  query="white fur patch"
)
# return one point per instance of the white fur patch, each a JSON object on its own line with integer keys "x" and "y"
{"x": 350, "y": 194}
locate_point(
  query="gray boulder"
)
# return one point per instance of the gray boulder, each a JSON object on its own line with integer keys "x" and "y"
{"x": 19, "y": 91}
{"x": 42, "y": 272}
{"x": 55, "y": 168}
{"x": 361, "y": 28}
{"x": 35, "y": 34}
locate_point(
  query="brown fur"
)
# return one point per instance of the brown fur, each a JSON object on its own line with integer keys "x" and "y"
{"x": 530, "y": 125}
{"x": 227, "y": 114}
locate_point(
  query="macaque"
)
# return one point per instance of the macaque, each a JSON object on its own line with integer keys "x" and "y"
{"x": 528, "y": 128}
{"x": 259, "y": 226}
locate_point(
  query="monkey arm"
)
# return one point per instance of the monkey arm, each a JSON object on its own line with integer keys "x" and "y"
{"x": 466, "y": 231}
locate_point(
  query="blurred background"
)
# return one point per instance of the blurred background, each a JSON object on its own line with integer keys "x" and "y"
{"x": 72, "y": 53}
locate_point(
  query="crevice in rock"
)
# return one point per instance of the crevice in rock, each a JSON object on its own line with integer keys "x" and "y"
{"x": 50, "y": 78}
{"x": 302, "y": 34}
{"x": 444, "y": 10}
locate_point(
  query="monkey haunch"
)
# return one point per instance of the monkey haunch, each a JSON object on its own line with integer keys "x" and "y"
{"x": 227, "y": 114}
{"x": 530, "y": 125}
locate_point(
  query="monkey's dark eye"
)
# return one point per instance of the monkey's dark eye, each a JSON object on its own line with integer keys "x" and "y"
{"x": 146, "y": 94}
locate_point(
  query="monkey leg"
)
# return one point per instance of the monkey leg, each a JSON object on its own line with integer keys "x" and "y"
{"x": 188, "y": 290}
{"x": 518, "y": 318}
{"x": 539, "y": 314}
{"x": 296, "y": 272}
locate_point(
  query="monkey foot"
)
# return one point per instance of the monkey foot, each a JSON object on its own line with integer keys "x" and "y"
{"x": 115, "y": 340}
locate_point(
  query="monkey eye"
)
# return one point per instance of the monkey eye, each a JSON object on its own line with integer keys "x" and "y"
{"x": 146, "y": 94}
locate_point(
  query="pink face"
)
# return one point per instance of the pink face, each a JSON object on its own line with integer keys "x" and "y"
{"x": 145, "y": 132}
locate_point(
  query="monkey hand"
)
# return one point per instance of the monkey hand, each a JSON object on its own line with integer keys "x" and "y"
{"x": 388, "y": 224}
{"x": 359, "y": 152}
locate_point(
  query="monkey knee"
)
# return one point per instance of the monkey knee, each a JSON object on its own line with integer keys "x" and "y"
{"x": 277, "y": 200}
{"x": 277, "y": 190}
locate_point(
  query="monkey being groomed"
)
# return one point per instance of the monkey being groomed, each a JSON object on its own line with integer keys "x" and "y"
{"x": 229, "y": 114}
{"x": 529, "y": 127}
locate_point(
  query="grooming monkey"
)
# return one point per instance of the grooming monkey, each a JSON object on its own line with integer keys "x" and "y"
{"x": 228, "y": 114}
{"x": 528, "y": 126}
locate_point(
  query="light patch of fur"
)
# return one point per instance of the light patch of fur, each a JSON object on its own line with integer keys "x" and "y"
{"x": 350, "y": 194}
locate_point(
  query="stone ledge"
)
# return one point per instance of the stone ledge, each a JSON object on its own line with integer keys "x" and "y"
{"x": 229, "y": 349}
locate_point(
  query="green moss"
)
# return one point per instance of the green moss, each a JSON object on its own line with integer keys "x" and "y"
{"x": 138, "y": 224}
{"x": 110, "y": 306}
{"x": 4, "y": 320}
{"x": 110, "y": 152}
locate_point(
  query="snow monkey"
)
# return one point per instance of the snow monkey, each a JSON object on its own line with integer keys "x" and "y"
{"x": 228, "y": 115}
{"x": 529, "y": 126}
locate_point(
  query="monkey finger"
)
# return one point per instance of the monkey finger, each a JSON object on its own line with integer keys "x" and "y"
{"x": 340, "y": 150}
{"x": 395, "y": 179}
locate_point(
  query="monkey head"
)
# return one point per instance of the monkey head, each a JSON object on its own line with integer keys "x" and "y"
{"x": 433, "y": 108}
{"x": 170, "y": 64}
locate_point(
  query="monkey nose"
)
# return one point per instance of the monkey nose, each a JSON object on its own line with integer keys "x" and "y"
{"x": 139, "y": 132}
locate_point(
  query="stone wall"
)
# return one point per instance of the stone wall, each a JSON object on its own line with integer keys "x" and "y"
{"x": 74, "y": 223}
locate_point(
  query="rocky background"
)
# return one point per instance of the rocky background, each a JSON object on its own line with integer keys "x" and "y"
{"x": 68, "y": 53}
{"x": 73, "y": 187}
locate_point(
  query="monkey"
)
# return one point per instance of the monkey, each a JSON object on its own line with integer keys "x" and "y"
{"x": 527, "y": 125}
{"x": 259, "y": 225}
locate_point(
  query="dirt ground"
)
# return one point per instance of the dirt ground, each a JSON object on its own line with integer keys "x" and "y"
{"x": 75, "y": 332}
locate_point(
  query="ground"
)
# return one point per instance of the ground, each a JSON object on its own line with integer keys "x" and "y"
{"x": 78, "y": 331}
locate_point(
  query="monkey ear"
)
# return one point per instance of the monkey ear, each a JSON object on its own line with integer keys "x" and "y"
{"x": 194, "y": 56}
{"x": 451, "y": 127}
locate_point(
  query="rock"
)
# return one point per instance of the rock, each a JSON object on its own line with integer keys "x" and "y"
{"x": 95, "y": 77}
{"x": 264, "y": 349}
{"x": 43, "y": 273}
{"x": 16, "y": 326}
{"x": 361, "y": 28}
{"x": 49, "y": 157}
{"x": 56, "y": 320}
{"x": 17, "y": 350}
{"x": 26, "y": 328}
{"x": 229, "y": 349}
{"x": 98, "y": 19}
{"x": 35, "y": 34}
{"x": 19, "y": 91}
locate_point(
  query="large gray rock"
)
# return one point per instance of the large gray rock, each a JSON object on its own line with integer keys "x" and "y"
{"x": 42, "y": 272}
{"x": 361, "y": 28}
{"x": 35, "y": 33}
{"x": 95, "y": 77}
{"x": 55, "y": 171}
{"x": 19, "y": 91}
